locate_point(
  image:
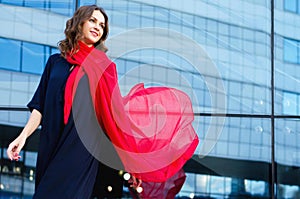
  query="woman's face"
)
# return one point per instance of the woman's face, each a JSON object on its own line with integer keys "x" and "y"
{"x": 92, "y": 29}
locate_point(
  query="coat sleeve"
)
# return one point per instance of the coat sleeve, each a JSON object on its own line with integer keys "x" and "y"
{"x": 38, "y": 100}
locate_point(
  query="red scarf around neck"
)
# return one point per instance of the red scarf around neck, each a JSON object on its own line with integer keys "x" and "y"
{"x": 76, "y": 60}
{"x": 150, "y": 128}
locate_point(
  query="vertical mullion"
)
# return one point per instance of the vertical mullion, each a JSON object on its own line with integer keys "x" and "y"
{"x": 21, "y": 56}
{"x": 76, "y": 4}
{"x": 273, "y": 165}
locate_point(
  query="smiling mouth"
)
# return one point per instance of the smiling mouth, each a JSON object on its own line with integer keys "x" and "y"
{"x": 94, "y": 34}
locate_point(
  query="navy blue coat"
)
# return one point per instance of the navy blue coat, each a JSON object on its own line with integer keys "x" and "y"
{"x": 65, "y": 169}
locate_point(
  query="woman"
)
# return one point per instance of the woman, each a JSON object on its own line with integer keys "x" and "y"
{"x": 65, "y": 169}
{"x": 78, "y": 90}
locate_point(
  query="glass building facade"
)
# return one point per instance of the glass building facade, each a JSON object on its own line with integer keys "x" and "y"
{"x": 239, "y": 61}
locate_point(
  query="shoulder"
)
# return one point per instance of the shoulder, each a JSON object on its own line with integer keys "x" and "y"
{"x": 57, "y": 59}
{"x": 56, "y": 63}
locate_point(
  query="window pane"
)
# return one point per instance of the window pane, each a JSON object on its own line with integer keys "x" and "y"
{"x": 33, "y": 58}
{"x": 10, "y": 54}
{"x": 62, "y": 7}
{"x": 86, "y": 2}
{"x": 35, "y": 4}
{"x": 287, "y": 156}
{"x": 290, "y": 103}
{"x": 31, "y": 158}
{"x": 15, "y": 2}
{"x": 54, "y": 50}
{"x": 290, "y": 5}
{"x": 290, "y": 51}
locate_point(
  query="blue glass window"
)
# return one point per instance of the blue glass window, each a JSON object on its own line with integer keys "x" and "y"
{"x": 15, "y": 2}
{"x": 30, "y": 159}
{"x": 87, "y": 2}
{"x": 290, "y": 5}
{"x": 35, "y": 4}
{"x": 24, "y": 56}
{"x": 62, "y": 7}
{"x": 290, "y": 51}
{"x": 33, "y": 58}
{"x": 53, "y": 51}
{"x": 10, "y": 54}
{"x": 133, "y": 20}
{"x": 119, "y": 19}
{"x": 290, "y": 103}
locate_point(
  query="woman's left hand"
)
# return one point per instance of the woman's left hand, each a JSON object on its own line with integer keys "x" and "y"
{"x": 135, "y": 183}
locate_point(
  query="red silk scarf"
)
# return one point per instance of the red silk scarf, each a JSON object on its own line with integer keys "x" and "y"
{"x": 150, "y": 128}
{"x": 76, "y": 60}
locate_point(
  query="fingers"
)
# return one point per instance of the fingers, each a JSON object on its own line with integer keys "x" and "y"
{"x": 16, "y": 157}
{"x": 10, "y": 151}
{"x": 136, "y": 181}
{"x": 133, "y": 181}
{"x": 13, "y": 152}
{"x": 138, "y": 188}
{"x": 136, "y": 184}
{"x": 139, "y": 182}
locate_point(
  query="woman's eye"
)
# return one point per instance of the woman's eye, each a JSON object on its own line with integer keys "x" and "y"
{"x": 92, "y": 20}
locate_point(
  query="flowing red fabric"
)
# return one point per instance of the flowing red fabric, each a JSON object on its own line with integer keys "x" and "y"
{"x": 76, "y": 61}
{"x": 150, "y": 128}
{"x": 167, "y": 190}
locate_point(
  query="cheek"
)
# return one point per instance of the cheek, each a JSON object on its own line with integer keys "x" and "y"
{"x": 86, "y": 26}
{"x": 102, "y": 31}
{"x": 84, "y": 29}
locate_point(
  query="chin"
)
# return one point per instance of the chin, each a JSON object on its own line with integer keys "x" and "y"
{"x": 92, "y": 41}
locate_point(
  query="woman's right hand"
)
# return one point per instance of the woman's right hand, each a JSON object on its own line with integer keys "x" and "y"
{"x": 15, "y": 147}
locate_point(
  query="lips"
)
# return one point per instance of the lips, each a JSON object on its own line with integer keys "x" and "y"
{"x": 95, "y": 34}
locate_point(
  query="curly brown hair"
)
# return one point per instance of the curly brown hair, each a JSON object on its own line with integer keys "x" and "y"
{"x": 73, "y": 30}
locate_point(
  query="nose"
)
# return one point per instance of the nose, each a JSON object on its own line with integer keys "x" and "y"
{"x": 97, "y": 27}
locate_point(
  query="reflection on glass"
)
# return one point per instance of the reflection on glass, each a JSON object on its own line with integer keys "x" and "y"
{"x": 290, "y": 103}
{"x": 33, "y": 58}
{"x": 287, "y": 156}
{"x": 290, "y": 50}
{"x": 198, "y": 185}
{"x": 62, "y": 7}
{"x": 35, "y": 4}
{"x": 287, "y": 191}
{"x": 16, "y": 2}
{"x": 31, "y": 158}
{"x": 56, "y": 6}
{"x": 189, "y": 185}
{"x": 290, "y": 5}
{"x": 10, "y": 54}
{"x": 256, "y": 187}
{"x": 53, "y": 51}
{"x": 87, "y": 2}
